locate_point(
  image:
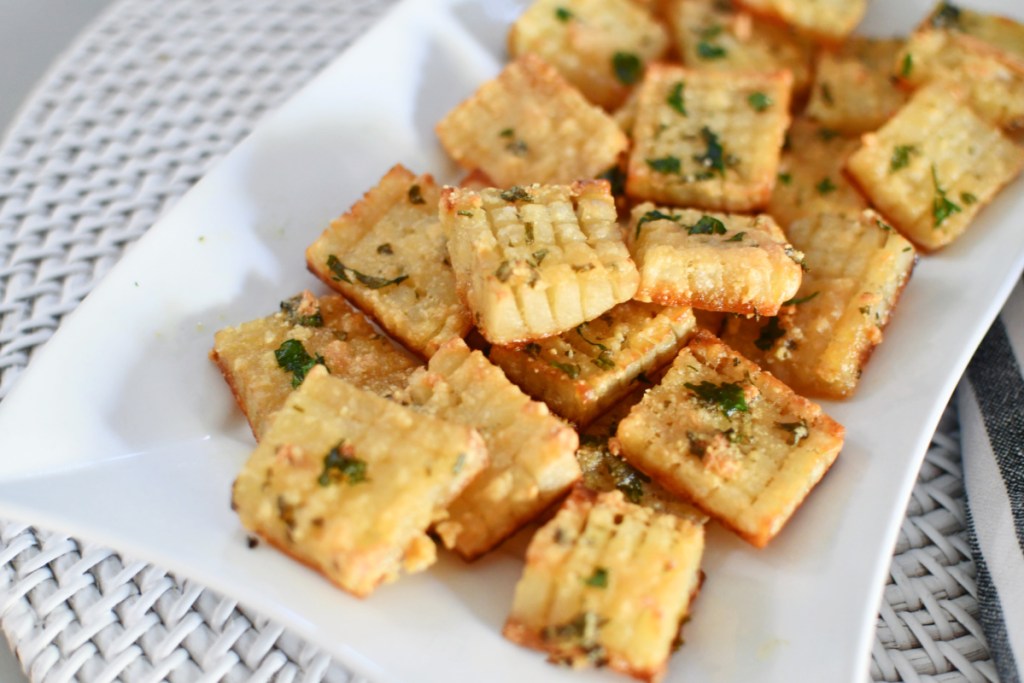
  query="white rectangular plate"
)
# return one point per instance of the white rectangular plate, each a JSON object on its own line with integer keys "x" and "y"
{"x": 123, "y": 432}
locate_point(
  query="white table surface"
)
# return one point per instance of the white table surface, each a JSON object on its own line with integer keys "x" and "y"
{"x": 33, "y": 33}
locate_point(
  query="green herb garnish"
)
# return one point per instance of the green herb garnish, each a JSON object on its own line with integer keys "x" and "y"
{"x": 967, "y": 198}
{"x": 341, "y": 272}
{"x": 786, "y": 178}
{"x": 290, "y": 307}
{"x": 946, "y": 16}
{"x": 707, "y": 225}
{"x": 616, "y": 177}
{"x": 562, "y": 14}
{"x": 759, "y": 101}
{"x": 339, "y": 465}
{"x": 727, "y": 397}
{"x": 628, "y": 67}
{"x": 908, "y": 65}
{"x": 292, "y": 357}
{"x": 599, "y": 579}
{"x": 516, "y": 194}
{"x": 942, "y": 207}
{"x": 738, "y": 237}
{"x": 770, "y": 334}
{"x": 604, "y": 358}
{"x": 654, "y": 215}
{"x": 796, "y": 301}
{"x": 464, "y": 212}
{"x": 826, "y": 186}
{"x": 901, "y": 156}
{"x": 826, "y": 94}
{"x": 504, "y": 271}
{"x": 797, "y": 430}
{"x": 416, "y": 195}
{"x": 827, "y": 134}
{"x": 713, "y": 158}
{"x": 667, "y": 164}
{"x": 706, "y": 50}
{"x": 570, "y": 369}
{"x": 676, "y": 98}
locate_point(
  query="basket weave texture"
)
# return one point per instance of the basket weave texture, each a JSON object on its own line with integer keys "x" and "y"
{"x": 130, "y": 117}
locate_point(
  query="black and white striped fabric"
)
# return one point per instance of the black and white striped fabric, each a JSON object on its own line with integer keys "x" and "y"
{"x": 992, "y": 423}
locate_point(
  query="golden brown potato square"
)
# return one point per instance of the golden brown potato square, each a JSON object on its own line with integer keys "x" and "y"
{"x": 934, "y": 165}
{"x": 991, "y": 75}
{"x": 531, "y": 451}
{"x": 604, "y": 468}
{"x": 583, "y": 372}
{"x": 706, "y": 139}
{"x": 587, "y": 572}
{"x": 388, "y": 255}
{"x": 820, "y": 343}
{"x": 529, "y": 125}
{"x": 829, "y": 21}
{"x": 718, "y": 262}
{"x": 811, "y": 179}
{"x": 264, "y": 360}
{"x": 537, "y": 260}
{"x": 717, "y": 35}
{"x": 854, "y": 91}
{"x": 732, "y": 438}
{"x": 348, "y": 482}
{"x": 599, "y": 46}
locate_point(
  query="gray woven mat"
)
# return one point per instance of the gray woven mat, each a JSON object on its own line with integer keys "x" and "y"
{"x": 128, "y": 120}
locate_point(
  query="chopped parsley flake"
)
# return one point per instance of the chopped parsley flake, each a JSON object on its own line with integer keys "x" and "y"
{"x": 340, "y": 465}
{"x": 516, "y": 194}
{"x": 706, "y": 50}
{"x": 539, "y": 255}
{"x": 826, "y": 186}
{"x": 759, "y": 101}
{"x": 532, "y": 349}
{"x": 616, "y": 177}
{"x": 562, "y": 14}
{"x": 599, "y": 579}
{"x": 654, "y": 215}
{"x": 797, "y": 430}
{"x": 667, "y": 164}
{"x": 727, "y": 397}
{"x": 713, "y": 158}
{"x": 901, "y": 156}
{"x": 676, "y": 98}
{"x": 604, "y": 358}
{"x": 570, "y": 369}
{"x": 967, "y": 198}
{"x": 942, "y": 207}
{"x": 786, "y": 178}
{"x": 416, "y": 195}
{"x": 908, "y": 65}
{"x": 628, "y": 67}
{"x": 796, "y": 301}
{"x": 946, "y": 16}
{"x": 770, "y": 334}
{"x": 828, "y": 134}
{"x": 826, "y": 94}
{"x": 465, "y": 213}
{"x": 707, "y": 225}
{"x": 290, "y": 307}
{"x": 341, "y": 272}
{"x": 385, "y": 249}
{"x": 738, "y": 237}
{"x": 292, "y": 357}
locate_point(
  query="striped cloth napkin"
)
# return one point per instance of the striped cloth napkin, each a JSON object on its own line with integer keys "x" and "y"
{"x": 992, "y": 424}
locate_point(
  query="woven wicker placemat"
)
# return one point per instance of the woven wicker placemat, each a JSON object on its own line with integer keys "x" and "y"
{"x": 131, "y": 116}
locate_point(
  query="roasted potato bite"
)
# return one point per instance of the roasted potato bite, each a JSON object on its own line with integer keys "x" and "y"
{"x": 854, "y": 91}
{"x": 706, "y": 139}
{"x": 829, "y": 21}
{"x": 583, "y": 372}
{"x": 604, "y": 468}
{"x": 600, "y": 46}
{"x": 608, "y": 583}
{"x": 388, "y": 255}
{"x": 348, "y": 482}
{"x": 811, "y": 178}
{"x": 529, "y": 125}
{"x": 535, "y": 261}
{"x": 934, "y": 165}
{"x": 718, "y": 35}
{"x": 531, "y": 451}
{"x": 821, "y": 341}
{"x": 733, "y": 439}
{"x": 264, "y": 360}
{"x": 718, "y": 262}
{"x": 981, "y": 53}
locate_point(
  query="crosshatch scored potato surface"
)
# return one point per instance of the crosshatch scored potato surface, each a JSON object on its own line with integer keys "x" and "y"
{"x": 535, "y": 261}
